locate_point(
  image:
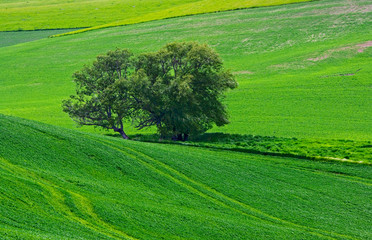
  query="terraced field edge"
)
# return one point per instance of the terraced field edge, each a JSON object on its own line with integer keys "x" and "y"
{"x": 190, "y": 9}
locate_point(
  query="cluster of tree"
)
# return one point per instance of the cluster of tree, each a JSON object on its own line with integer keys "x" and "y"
{"x": 177, "y": 89}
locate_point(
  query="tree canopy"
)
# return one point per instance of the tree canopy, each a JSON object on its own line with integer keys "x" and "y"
{"x": 178, "y": 89}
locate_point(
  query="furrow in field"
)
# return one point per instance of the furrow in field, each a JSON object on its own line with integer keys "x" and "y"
{"x": 292, "y": 185}
{"x": 176, "y": 180}
{"x": 219, "y": 198}
{"x": 360, "y": 180}
{"x": 245, "y": 206}
{"x": 56, "y": 198}
{"x": 84, "y": 204}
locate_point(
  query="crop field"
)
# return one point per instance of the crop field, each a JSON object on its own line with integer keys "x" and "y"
{"x": 62, "y": 184}
{"x": 294, "y": 163}
{"x": 303, "y": 69}
{"x": 53, "y": 14}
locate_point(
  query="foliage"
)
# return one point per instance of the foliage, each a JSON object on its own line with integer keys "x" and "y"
{"x": 56, "y": 183}
{"x": 186, "y": 83}
{"x": 98, "y": 100}
{"x": 178, "y": 89}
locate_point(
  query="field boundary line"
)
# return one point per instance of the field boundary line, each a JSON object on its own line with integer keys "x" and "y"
{"x": 153, "y": 16}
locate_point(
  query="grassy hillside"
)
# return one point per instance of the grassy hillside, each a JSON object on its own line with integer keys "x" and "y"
{"x": 52, "y": 14}
{"x": 61, "y": 184}
{"x": 303, "y": 69}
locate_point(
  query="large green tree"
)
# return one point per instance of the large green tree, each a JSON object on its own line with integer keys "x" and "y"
{"x": 98, "y": 100}
{"x": 186, "y": 83}
{"x": 178, "y": 89}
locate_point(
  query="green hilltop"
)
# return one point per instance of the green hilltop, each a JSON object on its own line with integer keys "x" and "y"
{"x": 61, "y": 184}
{"x": 303, "y": 69}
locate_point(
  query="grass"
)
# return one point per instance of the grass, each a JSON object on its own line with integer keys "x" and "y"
{"x": 304, "y": 74}
{"x": 38, "y": 14}
{"x": 57, "y": 183}
{"x": 303, "y": 69}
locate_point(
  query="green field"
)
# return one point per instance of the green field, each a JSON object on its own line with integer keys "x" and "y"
{"x": 62, "y": 184}
{"x": 53, "y": 14}
{"x": 294, "y": 163}
{"x": 300, "y": 74}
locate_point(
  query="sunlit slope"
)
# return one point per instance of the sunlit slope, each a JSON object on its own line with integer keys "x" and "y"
{"x": 61, "y": 184}
{"x": 199, "y": 7}
{"x": 52, "y": 14}
{"x": 303, "y": 69}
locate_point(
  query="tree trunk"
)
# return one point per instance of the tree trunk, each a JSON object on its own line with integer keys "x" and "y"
{"x": 122, "y": 133}
{"x": 185, "y": 137}
{"x": 179, "y": 137}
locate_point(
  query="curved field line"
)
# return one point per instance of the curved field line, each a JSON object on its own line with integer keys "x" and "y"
{"x": 364, "y": 181}
{"x": 291, "y": 184}
{"x": 246, "y": 206}
{"x": 188, "y": 9}
{"x": 87, "y": 208}
{"x": 360, "y": 180}
{"x": 57, "y": 200}
{"x": 261, "y": 215}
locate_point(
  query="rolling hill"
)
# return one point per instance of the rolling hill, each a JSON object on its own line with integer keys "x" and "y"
{"x": 303, "y": 69}
{"x": 62, "y": 184}
{"x": 295, "y": 162}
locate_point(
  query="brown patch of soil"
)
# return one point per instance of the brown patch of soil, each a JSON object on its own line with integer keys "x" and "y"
{"x": 364, "y": 46}
{"x": 358, "y": 48}
{"x": 350, "y": 9}
{"x": 319, "y": 58}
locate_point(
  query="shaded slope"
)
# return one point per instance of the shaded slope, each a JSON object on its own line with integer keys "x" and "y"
{"x": 301, "y": 69}
{"x": 13, "y": 38}
{"x": 61, "y": 184}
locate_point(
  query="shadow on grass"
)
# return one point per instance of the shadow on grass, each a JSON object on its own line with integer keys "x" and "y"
{"x": 313, "y": 149}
